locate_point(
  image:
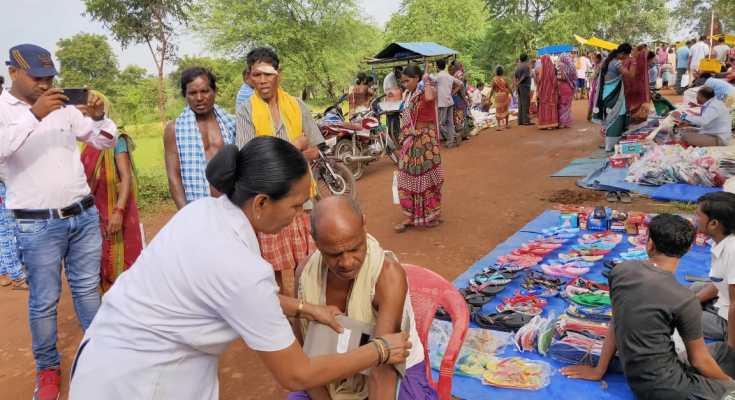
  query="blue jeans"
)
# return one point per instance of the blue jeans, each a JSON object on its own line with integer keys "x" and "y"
{"x": 44, "y": 244}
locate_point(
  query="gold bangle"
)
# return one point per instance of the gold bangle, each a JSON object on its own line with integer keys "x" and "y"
{"x": 380, "y": 350}
{"x": 300, "y": 308}
{"x": 386, "y": 349}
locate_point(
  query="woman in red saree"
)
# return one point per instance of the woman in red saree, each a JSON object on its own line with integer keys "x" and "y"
{"x": 636, "y": 88}
{"x": 548, "y": 94}
{"x": 110, "y": 176}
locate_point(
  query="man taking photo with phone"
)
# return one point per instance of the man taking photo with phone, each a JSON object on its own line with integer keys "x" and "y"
{"x": 48, "y": 193}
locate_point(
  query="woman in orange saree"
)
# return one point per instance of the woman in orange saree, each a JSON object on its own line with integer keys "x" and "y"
{"x": 110, "y": 174}
{"x": 548, "y": 94}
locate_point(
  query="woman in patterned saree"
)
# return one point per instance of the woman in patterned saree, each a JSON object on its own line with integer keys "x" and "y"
{"x": 567, "y": 88}
{"x": 110, "y": 174}
{"x": 609, "y": 108}
{"x": 420, "y": 175}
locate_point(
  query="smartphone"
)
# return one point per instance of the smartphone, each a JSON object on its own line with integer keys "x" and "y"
{"x": 77, "y": 96}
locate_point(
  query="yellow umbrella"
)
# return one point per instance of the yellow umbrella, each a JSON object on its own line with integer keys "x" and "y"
{"x": 581, "y": 40}
{"x": 603, "y": 44}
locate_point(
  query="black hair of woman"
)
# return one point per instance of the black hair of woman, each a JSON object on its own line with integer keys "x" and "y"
{"x": 266, "y": 165}
{"x": 413, "y": 71}
{"x": 499, "y": 71}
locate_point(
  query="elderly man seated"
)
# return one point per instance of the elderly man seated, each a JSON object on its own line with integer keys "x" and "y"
{"x": 350, "y": 271}
{"x": 714, "y": 124}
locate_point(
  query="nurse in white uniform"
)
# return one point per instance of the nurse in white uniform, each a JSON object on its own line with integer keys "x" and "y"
{"x": 201, "y": 284}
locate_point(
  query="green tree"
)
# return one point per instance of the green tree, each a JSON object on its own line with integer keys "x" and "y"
{"x": 320, "y": 42}
{"x": 228, "y": 73}
{"x": 696, "y": 15}
{"x": 87, "y": 60}
{"x": 150, "y": 22}
{"x": 132, "y": 74}
{"x": 458, "y": 24}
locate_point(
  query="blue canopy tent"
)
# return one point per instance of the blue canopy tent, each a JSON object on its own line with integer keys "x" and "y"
{"x": 403, "y": 52}
{"x": 555, "y": 49}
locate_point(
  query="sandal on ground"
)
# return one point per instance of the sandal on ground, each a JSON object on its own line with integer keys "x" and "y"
{"x": 402, "y": 227}
{"x": 434, "y": 223}
{"x": 612, "y": 197}
{"x": 20, "y": 284}
{"x": 625, "y": 197}
{"x": 5, "y": 281}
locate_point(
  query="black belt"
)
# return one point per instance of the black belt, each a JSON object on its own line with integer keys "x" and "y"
{"x": 56, "y": 213}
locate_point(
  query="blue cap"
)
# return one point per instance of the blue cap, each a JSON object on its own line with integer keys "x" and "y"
{"x": 35, "y": 60}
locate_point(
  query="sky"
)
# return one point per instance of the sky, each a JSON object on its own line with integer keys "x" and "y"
{"x": 44, "y": 22}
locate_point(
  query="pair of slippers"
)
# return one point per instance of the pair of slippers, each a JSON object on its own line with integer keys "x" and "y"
{"x": 506, "y": 321}
{"x": 623, "y": 197}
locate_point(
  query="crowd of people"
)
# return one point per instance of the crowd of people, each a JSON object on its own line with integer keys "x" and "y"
{"x": 242, "y": 183}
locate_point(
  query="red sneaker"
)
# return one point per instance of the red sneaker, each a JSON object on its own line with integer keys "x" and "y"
{"x": 47, "y": 384}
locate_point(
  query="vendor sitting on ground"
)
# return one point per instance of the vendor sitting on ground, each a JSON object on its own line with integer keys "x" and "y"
{"x": 350, "y": 271}
{"x": 648, "y": 304}
{"x": 724, "y": 91}
{"x": 715, "y": 122}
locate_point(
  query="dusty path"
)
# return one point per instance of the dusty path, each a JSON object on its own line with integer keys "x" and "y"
{"x": 495, "y": 184}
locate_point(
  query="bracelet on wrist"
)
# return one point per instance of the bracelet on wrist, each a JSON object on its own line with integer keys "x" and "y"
{"x": 386, "y": 347}
{"x": 300, "y": 308}
{"x": 118, "y": 209}
{"x": 381, "y": 351}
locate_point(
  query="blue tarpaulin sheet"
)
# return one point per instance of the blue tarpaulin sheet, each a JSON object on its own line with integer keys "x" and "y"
{"x": 696, "y": 262}
{"x": 581, "y": 167}
{"x": 681, "y": 192}
{"x": 609, "y": 179}
{"x": 555, "y": 49}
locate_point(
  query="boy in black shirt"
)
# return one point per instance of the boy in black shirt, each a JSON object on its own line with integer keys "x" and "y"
{"x": 648, "y": 304}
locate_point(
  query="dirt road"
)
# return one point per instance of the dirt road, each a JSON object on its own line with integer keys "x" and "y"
{"x": 495, "y": 184}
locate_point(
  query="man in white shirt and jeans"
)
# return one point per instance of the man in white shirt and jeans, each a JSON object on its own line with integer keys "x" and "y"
{"x": 446, "y": 86}
{"x": 48, "y": 192}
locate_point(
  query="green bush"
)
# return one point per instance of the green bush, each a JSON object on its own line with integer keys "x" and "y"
{"x": 152, "y": 190}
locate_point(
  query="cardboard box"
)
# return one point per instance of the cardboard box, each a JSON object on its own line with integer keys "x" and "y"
{"x": 630, "y": 147}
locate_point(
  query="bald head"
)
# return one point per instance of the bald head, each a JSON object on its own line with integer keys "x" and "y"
{"x": 336, "y": 215}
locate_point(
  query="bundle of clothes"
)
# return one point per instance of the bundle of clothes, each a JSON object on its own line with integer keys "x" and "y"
{"x": 674, "y": 164}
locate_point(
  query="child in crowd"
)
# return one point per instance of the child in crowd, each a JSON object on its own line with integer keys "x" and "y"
{"x": 641, "y": 328}
{"x": 716, "y": 218}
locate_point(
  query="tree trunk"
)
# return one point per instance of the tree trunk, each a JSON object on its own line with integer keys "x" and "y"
{"x": 161, "y": 96}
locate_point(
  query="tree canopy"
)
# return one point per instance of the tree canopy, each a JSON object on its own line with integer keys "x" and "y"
{"x": 320, "y": 42}
{"x": 87, "y": 60}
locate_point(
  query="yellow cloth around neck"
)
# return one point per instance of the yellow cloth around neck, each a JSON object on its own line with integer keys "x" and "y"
{"x": 290, "y": 112}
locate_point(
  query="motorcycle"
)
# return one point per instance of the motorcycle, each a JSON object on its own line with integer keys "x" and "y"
{"x": 359, "y": 141}
{"x": 332, "y": 177}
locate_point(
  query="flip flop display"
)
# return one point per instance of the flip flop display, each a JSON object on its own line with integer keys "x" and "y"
{"x": 553, "y": 264}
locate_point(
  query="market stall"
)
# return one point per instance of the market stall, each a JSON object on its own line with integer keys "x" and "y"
{"x": 566, "y": 301}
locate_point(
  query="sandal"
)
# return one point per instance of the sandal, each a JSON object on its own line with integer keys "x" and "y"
{"x": 612, "y": 197}
{"x": 475, "y": 299}
{"x": 402, "y": 227}
{"x": 507, "y": 321}
{"x": 20, "y": 284}
{"x": 625, "y": 197}
{"x": 5, "y": 281}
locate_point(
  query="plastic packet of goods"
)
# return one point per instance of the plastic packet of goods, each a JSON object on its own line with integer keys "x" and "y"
{"x": 517, "y": 373}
